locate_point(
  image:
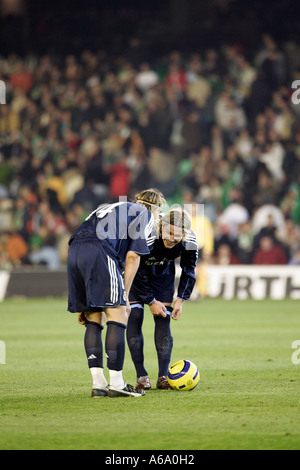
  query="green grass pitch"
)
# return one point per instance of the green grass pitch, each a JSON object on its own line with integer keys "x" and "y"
{"x": 248, "y": 396}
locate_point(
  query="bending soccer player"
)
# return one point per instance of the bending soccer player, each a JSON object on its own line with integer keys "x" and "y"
{"x": 110, "y": 241}
{"x": 154, "y": 284}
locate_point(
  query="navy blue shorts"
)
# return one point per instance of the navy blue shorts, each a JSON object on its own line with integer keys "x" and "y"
{"x": 95, "y": 278}
{"x": 163, "y": 288}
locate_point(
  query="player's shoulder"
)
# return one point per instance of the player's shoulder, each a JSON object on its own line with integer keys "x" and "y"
{"x": 137, "y": 209}
{"x": 190, "y": 242}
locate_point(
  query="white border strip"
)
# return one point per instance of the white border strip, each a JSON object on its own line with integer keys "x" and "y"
{"x": 4, "y": 280}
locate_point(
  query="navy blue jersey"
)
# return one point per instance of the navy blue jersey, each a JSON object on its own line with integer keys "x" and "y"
{"x": 97, "y": 253}
{"x": 121, "y": 227}
{"x": 156, "y": 275}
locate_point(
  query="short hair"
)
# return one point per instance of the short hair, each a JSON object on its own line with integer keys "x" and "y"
{"x": 179, "y": 218}
{"x": 149, "y": 198}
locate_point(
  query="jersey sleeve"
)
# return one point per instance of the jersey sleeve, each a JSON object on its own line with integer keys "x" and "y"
{"x": 142, "y": 233}
{"x": 188, "y": 262}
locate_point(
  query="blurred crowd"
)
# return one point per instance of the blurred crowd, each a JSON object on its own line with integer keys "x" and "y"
{"x": 217, "y": 129}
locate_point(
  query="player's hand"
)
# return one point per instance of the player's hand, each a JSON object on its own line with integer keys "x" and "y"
{"x": 157, "y": 308}
{"x": 177, "y": 309}
{"x": 81, "y": 318}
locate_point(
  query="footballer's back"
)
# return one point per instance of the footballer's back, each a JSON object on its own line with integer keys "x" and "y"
{"x": 122, "y": 226}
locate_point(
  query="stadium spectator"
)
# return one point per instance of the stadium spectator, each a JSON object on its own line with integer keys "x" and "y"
{"x": 289, "y": 237}
{"x": 176, "y": 80}
{"x": 192, "y": 132}
{"x": 146, "y": 77}
{"x": 199, "y": 90}
{"x": 15, "y": 248}
{"x": 225, "y": 256}
{"x": 267, "y": 189}
{"x": 234, "y": 214}
{"x": 244, "y": 244}
{"x": 21, "y": 78}
{"x": 119, "y": 179}
{"x": 269, "y": 253}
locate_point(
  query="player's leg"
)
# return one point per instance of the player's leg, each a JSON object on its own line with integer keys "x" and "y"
{"x": 164, "y": 290}
{"x": 164, "y": 345}
{"x": 115, "y": 344}
{"x": 115, "y": 352}
{"x": 94, "y": 352}
{"x": 104, "y": 286}
{"x": 135, "y": 342}
{"x": 80, "y": 258}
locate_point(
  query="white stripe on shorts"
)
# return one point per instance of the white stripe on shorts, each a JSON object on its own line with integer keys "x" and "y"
{"x": 114, "y": 291}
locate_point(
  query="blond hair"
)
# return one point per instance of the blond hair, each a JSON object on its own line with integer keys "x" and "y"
{"x": 179, "y": 218}
{"x": 150, "y": 198}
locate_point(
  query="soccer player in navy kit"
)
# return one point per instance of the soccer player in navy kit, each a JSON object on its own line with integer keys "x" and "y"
{"x": 111, "y": 240}
{"x": 154, "y": 284}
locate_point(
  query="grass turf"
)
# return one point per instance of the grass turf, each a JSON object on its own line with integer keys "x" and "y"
{"x": 247, "y": 397}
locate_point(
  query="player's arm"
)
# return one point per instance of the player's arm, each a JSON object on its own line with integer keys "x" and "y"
{"x": 142, "y": 283}
{"x": 132, "y": 263}
{"x": 131, "y": 267}
{"x": 188, "y": 263}
{"x": 188, "y": 276}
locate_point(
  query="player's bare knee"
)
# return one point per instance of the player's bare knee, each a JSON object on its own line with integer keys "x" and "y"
{"x": 96, "y": 317}
{"x": 117, "y": 314}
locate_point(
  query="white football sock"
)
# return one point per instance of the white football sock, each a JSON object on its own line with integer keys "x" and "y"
{"x": 116, "y": 379}
{"x": 99, "y": 380}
